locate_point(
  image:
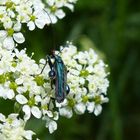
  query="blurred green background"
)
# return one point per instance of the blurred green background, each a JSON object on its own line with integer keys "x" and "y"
{"x": 113, "y": 27}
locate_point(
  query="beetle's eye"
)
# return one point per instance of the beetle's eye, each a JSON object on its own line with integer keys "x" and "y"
{"x": 52, "y": 74}
{"x": 67, "y": 89}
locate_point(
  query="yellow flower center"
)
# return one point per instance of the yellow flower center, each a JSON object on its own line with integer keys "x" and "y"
{"x": 10, "y": 32}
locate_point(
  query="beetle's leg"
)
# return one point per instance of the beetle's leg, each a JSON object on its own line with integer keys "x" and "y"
{"x": 51, "y": 73}
{"x": 50, "y": 62}
{"x": 51, "y": 101}
{"x": 44, "y": 67}
{"x": 53, "y": 98}
{"x": 52, "y": 84}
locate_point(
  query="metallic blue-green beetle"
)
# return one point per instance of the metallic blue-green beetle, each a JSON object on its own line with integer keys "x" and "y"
{"x": 58, "y": 75}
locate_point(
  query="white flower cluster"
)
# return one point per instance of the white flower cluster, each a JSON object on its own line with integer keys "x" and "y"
{"x": 23, "y": 81}
{"x": 55, "y": 8}
{"x": 27, "y": 83}
{"x": 15, "y": 13}
{"x": 88, "y": 82}
{"x": 12, "y": 128}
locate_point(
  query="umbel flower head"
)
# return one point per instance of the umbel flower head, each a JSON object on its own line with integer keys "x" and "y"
{"x": 33, "y": 13}
{"x": 23, "y": 81}
{"x": 12, "y": 128}
{"x": 88, "y": 82}
{"x": 27, "y": 83}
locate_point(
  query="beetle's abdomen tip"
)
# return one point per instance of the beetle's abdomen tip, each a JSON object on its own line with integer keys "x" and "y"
{"x": 60, "y": 99}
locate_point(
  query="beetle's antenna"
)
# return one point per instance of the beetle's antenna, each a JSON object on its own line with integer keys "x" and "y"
{"x": 51, "y": 24}
{"x": 43, "y": 67}
{"x": 53, "y": 40}
{"x": 66, "y": 45}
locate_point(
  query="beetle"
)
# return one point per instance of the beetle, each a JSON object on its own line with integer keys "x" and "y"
{"x": 58, "y": 76}
{"x": 57, "y": 73}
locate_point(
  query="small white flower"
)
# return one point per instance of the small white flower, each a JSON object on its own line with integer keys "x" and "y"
{"x": 66, "y": 112}
{"x": 28, "y": 134}
{"x": 90, "y": 106}
{"x": 34, "y": 110}
{"x": 6, "y": 93}
{"x": 10, "y": 35}
{"x": 52, "y": 126}
{"x": 2, "y": 118}
{"x": 97, "y": 110}
{"x": 38, "y": 19}
{"x": 80, "y": 108}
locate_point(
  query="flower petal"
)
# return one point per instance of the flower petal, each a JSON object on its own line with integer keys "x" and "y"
{"x": 60, "y": 14}
{"x": 52, "y": 126}
{"x": 10, "y": 94}
{"x": 36, "y": 112}
{"x": 80, "y": 108}
{"x": 27, "y": 111}
{"x": 98, "y": 110}
{"x": 31, "y": 25}
{"x": 18, "y": 37}
{"x": 8, "y": 43}
{"x": 28, "y": 134}
{"x": 90, "y": 107}
{"x": 53, "y": 18}
{"x": 2, "y": 118}
{"x": 21, "y": 99}
{"x": 17, "y": 27}
{"x": 3, "y": 34}
{"x": 40, "y": 23}
{"x": 66, "y": 112}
